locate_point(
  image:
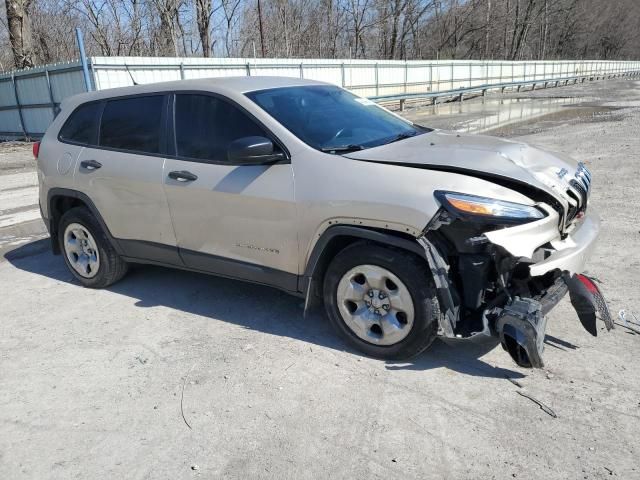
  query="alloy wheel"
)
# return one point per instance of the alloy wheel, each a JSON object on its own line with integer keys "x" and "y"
{"x": 375, "y": 304}
{"x": 81, "y": 250}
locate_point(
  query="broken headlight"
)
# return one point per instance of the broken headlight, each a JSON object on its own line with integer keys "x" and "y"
{"x": 488, "y": 210}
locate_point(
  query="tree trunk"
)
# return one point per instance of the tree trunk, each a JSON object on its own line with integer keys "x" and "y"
{"x": 203, "y": 18}
{"x": 20, "y": 32}
{"x": 545, "y": 30}
{"x": 487, "y": 31}
{"x": 168, "y": 11}
{"x": 519, "y": 39}
{"x": 398, "y": 10}
{"x": 262, "y": 46}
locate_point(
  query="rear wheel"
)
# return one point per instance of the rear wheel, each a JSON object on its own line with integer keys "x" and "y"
{"x": 87, "y": 250}
{"x": 381, "y": 300}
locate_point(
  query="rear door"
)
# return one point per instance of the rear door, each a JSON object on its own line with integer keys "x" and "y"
{"x": 231, "y": 219}
{"x": 122, "y": 174}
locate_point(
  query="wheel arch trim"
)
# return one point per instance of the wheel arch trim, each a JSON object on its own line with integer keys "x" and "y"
{"x": 84, "y": 198}
{"x": 333, "y": 233}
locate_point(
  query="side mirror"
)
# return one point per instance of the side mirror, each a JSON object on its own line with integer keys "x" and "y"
{"x": 252, "y": 151}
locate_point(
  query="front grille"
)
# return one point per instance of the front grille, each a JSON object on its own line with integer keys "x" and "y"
{"x": 579, "y": 192}
{"x": 583, "y": 177}
{"x": 573, "y": 209}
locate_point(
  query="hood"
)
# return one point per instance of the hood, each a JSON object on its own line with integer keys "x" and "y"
{"x": 481, "y": 155}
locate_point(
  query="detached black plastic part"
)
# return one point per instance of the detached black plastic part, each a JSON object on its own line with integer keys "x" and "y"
{"x": 521, "y": 326}
{"x": 521, "y": 323}
{"x": 587, "y": 300}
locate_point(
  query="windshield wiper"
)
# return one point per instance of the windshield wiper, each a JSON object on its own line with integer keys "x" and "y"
{"x": 402, "y": 136}
{"x": 342, "y": 148}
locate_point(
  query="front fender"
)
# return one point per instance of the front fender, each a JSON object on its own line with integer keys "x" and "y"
{"x": 336, "y": 237}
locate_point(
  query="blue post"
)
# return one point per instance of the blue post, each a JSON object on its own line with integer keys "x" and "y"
{"x": 83, "y": 60}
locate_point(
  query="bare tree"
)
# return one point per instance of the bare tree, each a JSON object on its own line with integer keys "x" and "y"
{"x": 39, "y": 31}
{"x": 203, "y": 18}
{"x": 166, "y": 34}
{"x": 19, "y": 24}
{"x": 359, "y": 14}
{"x": 229, "y": 10}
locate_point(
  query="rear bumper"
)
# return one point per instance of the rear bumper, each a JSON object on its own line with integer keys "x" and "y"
{"x": 571, "y": 253}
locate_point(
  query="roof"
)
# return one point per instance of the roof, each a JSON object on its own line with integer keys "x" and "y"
{"x": 224, "y": 85}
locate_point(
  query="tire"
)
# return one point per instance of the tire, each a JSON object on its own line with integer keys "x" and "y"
{"x": 397, "y": 337}
{"x": 87, "y": 251}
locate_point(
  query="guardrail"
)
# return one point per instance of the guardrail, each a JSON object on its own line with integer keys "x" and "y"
{"x": 29, "y": 99}
{"x": 459, "y": 92}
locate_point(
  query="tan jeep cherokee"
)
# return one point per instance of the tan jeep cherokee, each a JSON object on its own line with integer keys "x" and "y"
{"x": 405, "y": 232}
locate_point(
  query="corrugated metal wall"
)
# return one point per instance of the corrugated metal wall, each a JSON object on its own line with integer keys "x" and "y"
{"x": 28, "y": 98}
{"x": 364, "y": 77}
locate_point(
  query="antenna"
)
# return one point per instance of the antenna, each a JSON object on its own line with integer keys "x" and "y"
{"x": 130, "y": 75}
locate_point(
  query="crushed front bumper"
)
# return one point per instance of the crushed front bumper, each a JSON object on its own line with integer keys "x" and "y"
{"x": 568, "y": 254}
{"x": 571, "y": 253}
{"x": 521, "y": 325}
{"x": 517, "y": 314}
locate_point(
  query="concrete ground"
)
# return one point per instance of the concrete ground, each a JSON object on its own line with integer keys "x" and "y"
{"x": 170, "y": 374}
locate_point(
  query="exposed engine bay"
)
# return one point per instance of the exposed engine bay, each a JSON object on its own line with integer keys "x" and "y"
{"x": 504, "y": 252}
{"x": 486, "y": 290}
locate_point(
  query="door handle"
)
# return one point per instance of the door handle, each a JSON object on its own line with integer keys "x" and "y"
{"x": 90, "y": 164}
{"x": 183, "y": 176}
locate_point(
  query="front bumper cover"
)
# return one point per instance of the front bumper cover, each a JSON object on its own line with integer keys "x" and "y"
{"x": 569, "y": 254}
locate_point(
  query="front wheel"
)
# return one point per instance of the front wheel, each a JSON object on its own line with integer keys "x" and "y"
{"x": 381, "y": 300}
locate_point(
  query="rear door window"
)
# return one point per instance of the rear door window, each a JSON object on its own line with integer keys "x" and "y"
{"x": 205, "y": 126}
{"x": 132, "y": 124}
{"x": 81, "y": 126}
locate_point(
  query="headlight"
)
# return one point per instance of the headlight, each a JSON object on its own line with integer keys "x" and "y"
{"x": 488, "y": 209}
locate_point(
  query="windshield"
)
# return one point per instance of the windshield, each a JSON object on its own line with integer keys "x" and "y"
{"x": 333, "y": 120}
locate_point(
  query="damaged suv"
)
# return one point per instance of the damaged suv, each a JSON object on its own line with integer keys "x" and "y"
{"x": 404, "y": 232}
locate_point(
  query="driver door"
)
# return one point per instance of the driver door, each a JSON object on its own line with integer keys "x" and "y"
{"x": 230, "y": 219}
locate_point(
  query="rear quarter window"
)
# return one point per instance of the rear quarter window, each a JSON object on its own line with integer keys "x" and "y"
{"x": 132, "y": 124}
{"x": 81, "y": 126}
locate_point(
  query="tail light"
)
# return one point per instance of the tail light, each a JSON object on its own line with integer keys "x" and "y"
{"x": 36, "y": 149}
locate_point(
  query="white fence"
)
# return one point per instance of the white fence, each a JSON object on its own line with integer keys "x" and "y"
{"x": 29, "y": 98}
